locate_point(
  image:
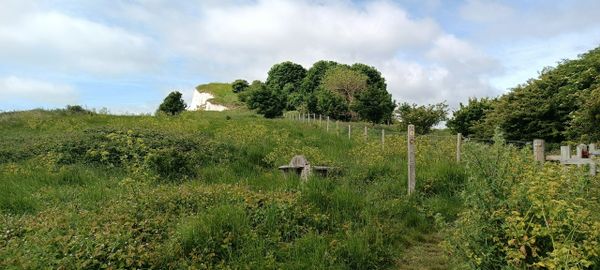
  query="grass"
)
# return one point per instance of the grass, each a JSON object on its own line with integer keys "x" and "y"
{"x": 222, "y": 93}
{"x": 101, "y": 191}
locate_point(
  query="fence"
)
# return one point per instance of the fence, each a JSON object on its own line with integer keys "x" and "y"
{"x": 327, "y": 124}
{"x": 584, "y": 155}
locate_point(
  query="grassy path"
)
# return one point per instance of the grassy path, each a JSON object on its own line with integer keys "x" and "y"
{"x": 426, "y": 254}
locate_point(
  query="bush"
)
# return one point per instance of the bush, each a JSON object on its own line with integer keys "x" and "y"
{"x": 521, "y": 215}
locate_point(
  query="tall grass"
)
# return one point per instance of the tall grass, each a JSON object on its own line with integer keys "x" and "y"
{"x": 202, "y": 190}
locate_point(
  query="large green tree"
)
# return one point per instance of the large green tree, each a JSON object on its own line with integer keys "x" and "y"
{"x": 239, "y": 86}
{"x": 173, "y": 104}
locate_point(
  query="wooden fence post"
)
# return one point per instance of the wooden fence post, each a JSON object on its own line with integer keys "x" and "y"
{"x": 565, "y": 153}
{"x": 327, "y": 123}
{"x": 411, "y": 159}
{"x": 349, "y": 132}
{"x": 337, "y": 127}
{"x": 382, "y": 139}
{"x": 320, "y": 120}
{"x": 366, "y": 134}
{"x": 458, "y": 146}
{"x": 539, "y": 149}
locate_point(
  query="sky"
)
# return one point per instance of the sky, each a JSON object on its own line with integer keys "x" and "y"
{"x": 127, "y": 55}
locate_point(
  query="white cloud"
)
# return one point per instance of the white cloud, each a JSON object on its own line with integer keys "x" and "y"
{"x": 36, "y": 38}
{"x": 13, "y": 88}
{"x": 243, "y": 40}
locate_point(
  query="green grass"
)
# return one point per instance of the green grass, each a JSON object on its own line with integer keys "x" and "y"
{"x": 97, "y": 191}
{"x": 222, "y": 93}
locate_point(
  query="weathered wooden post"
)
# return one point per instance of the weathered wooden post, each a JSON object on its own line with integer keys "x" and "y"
{"x": 565, "y": 153}
{"x": 327, "y": 123}
{"x": 320, "y": 120}
{"x": 411, "y": 159}
{"x": 539, "y": 150}
{"x": 349, "y": 132}
{"x": 382, "y": 139}
{"x": 458, "y": 146}
{"x": 366, "y": 133}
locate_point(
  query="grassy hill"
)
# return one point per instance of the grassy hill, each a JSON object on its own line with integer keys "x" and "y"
{"x": 91, "y": 191}
{"x": 222, "y": 93}
{"x": 202, "y": 190}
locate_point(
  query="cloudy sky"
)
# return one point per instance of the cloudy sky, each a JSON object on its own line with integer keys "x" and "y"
{"x": 127, "y": 55}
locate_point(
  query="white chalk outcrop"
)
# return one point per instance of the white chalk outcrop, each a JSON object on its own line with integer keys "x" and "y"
{"x": 200, "y": 103}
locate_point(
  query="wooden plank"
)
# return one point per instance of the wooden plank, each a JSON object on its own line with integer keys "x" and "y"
{"x": 412, "y": 175}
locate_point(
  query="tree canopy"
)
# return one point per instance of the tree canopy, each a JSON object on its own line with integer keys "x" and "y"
{"x": 173, "y": 104}
{"x": 423, "y": 117}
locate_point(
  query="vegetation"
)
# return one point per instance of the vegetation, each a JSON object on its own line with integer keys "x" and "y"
{"x": 200, "y": 191}
{"x": 239, "y": 86}
{"x": 223, "y": 94}
{"x": 520, "y": 215}
{"x": 173, "y": 104}
{"x": 470, "y": 119}
{"x": 423, "y": 117}
{"x": 342, "y": 92}
{"x": 561, "y": 104}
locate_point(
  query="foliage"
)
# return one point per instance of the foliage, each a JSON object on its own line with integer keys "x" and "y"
{"x": 374, "y": 105}
{"x": 266, "y": 100}
{"x": 519, "y": 215}
{"x": 424, "y": 117}
{"x": 584, "y": 126}
{"x": 173, "y": 104}
{"x": 202, "y": 192}
{"x": 345, "y": 82}
{"x": 285, "y": 73}
{"x": 550, "y": 107}
{"x": 239, "y": 86}
{"x": 468, "y": 119}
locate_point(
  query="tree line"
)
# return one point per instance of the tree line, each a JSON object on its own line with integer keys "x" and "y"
{"x": 562, "y": 104}
{"x": 340, "y": 91}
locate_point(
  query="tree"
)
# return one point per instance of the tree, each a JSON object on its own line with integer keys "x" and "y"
{"x": 239, "y": 86}
{"x": 469, "y": 119}
{"x": 585, "y": 126}
{"x": 331, "y": 104}
{"x": 424, "y": 117}
{"x": 374, "y": 105}
{"x": 310, "y": 84}
{"x": 266, "y": 101}
{"x": 173, "y": 104}
{"x": 284, "y": 73}
{"x": 374, "y": 78}
{"x": 344, "y": 81}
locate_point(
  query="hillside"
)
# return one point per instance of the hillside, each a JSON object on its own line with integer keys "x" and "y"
{"x": 222, "y": 94}
{"x": 202, "y": 189}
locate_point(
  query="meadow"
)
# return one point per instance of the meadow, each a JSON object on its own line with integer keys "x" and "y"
{"x": 201, "y": 190}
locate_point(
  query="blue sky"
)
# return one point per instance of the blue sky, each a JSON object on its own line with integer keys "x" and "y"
{"x": 127, "y": 55}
